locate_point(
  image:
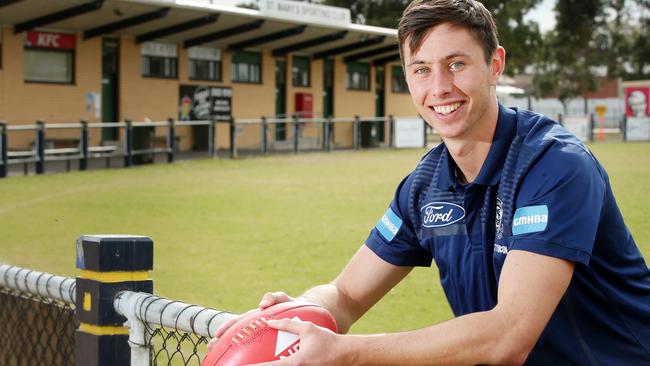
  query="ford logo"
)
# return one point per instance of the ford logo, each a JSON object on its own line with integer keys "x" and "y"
{"x": 438, "y": 214}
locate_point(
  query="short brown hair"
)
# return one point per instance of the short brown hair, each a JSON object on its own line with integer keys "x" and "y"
{"x": 422, "y": 15}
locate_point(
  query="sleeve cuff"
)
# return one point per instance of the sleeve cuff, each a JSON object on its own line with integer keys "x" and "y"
{"x": 551, "y": 249}
{"x": 398, "y": 258}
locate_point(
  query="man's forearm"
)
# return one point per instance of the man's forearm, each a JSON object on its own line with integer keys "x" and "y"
{"x": 478, "y": 338}
{"x": 336, "y": 302}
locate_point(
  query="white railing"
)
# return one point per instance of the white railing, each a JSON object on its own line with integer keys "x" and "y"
{"x": 38, "y": 283}
{"x": 143, "y": 310}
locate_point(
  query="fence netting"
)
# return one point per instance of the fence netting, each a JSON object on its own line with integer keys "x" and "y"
{"x": 35, "y": 330}
{"x": 175, "y": 347}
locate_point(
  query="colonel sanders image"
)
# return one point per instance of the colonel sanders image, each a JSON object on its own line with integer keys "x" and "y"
{"x": 638, "y": 103}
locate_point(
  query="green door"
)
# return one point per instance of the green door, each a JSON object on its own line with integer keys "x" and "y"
{"x": 280, "y": 97}
{"x": 110, "y": 56}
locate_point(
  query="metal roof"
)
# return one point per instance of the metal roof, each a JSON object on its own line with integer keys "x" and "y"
{"x": 179, "y": 21}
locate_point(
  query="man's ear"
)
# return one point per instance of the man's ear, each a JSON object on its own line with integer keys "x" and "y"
{"x": 497, "y": 65}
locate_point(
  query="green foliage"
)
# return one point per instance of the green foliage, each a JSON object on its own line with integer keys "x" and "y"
{"x": 520, "y": 39}
{"x": 226, "y": 231}
{"x": 569, "y": 56}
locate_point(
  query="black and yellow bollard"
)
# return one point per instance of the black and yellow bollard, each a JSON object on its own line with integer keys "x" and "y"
{"x": 108, "y": 264}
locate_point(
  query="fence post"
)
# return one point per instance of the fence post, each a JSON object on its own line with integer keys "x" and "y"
{"x": 3, "y": 149}
{"x": 171, "y": 137}
{"x": 296, "y": 132}
{"x": 591, "y": 124}
{"x": 40, "y": 147}
{"x": 233, "y": 138}
{"x": 356, "y": 134}
{"x": 328, "y": 134}
{"x": 83, "y": 162}
{"x": 109, "y": 264}
{"x": 264, "y": 136}
{"x": 211, "y": 134}
{"x": 560, "y": 119}
{"x": 128, "y": 144}
{"x": 391, "y": 130}
{"x": 624, "y": 127}
{"x": 424, "y": 135}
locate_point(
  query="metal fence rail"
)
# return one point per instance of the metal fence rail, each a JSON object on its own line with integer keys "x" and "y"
{"x": 137, "y": 141}
{"x": 37, "y": 321}
{"x": 166, "y": 332}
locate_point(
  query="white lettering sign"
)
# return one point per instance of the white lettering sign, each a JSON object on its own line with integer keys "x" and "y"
{"x": 409, "y": 132}
{"x": 50, "y": 40}
{"x": 638, "y": 129}
{"x": 306, "y": 12}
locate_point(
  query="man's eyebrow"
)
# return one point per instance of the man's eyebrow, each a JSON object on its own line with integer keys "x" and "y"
{"x": 442, "y": 59}
{"x": 454, "y": 55}
{"x": 416, "y": 62}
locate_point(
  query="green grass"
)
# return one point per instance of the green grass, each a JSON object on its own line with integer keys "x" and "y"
{"x": 226, "y": 231}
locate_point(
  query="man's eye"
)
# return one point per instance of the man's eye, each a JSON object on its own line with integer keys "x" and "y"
{"x": 421, "y": 70}
{"x": 456, "y": 65}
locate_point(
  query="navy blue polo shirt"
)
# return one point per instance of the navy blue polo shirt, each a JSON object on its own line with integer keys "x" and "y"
{"x": 540, "y": 190}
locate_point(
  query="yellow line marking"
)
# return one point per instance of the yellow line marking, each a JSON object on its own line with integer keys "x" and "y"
{"x": 103, "y": 329}
{"x": 114, "y": 276}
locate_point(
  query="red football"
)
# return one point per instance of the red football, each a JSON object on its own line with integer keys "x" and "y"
{"x": 251, "y": 340}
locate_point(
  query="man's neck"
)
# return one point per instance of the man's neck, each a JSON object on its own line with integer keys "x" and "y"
{"x": 470, "y": 153}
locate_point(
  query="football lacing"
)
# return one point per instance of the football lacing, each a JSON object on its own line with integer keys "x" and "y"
{"x": 254, "y": 324}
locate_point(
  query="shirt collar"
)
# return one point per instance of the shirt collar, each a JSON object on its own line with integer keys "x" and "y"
{"x": 490, "y": 172}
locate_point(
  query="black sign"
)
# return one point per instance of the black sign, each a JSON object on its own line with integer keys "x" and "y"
{"x": 205, "y": 103}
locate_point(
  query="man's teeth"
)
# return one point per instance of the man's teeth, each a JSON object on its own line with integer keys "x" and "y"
{"x": 446, "y": 109}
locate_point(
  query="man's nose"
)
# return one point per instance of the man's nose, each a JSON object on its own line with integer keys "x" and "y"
{"x": 442, "y": 83}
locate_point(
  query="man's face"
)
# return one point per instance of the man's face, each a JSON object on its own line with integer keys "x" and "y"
{"x": 450, "y": 83}
{"x": 638, "y": 103}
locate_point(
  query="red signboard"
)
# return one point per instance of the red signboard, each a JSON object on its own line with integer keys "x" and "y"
{"x": 305, "y": 105}
{"x": 50, "y": 40}
{"x": 636, "y": 101}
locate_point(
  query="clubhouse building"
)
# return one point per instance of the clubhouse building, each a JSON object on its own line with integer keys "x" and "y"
{"x": 114, "y": 60}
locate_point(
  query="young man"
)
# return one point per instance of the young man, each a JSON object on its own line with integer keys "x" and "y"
{"x": 532, "y": 251}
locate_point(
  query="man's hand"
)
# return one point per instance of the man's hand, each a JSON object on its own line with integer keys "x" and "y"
{"x": 318, "y": 346}
{"x": 269, "y": 298}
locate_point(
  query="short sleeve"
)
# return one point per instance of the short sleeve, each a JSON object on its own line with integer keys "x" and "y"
{"x": 393, "y": 239}
{"x": 559, "y": 205}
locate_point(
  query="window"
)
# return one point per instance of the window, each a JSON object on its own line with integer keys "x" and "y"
{"x": 204, "y": 63}
{"x": 49, "y": 57}
{"x": 159, "y": 60}
{"x": 358, "y": 76}
{"x": 246, "y": 67}
{"x": 48, "y": 66}
{"x": 300, "y": 73}
{"x": 398, "y": 82}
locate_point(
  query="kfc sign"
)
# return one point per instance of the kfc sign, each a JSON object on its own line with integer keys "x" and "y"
{"x": 50, "y": 40}
{"x": 636, "y": 101}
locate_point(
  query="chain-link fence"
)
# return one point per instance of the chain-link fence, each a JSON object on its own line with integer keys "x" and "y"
{"x": 35, "y": 329}
{"x": 175, "y": 347}
{"x": 167, "y": 332}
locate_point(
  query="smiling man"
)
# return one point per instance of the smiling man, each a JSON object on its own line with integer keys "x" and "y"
{"x": 519, "y": 217}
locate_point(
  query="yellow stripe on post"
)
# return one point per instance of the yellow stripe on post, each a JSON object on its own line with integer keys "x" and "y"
{"x": 88, "y": 303}
{"x": 111, "y": 277}
{"x": 100, "y": 330}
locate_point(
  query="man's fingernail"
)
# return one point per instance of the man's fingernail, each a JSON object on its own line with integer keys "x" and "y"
{"x": 263, "y": 303}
